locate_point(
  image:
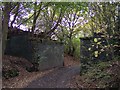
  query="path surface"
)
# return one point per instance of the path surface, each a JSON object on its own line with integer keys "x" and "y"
{"x": 59, "y": 78}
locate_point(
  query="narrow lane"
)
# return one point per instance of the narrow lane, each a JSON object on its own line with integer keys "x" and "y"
{"x": 58, "y": 78}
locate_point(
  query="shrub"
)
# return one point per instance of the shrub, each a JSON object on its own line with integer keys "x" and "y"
{"x": 10, "y": 73}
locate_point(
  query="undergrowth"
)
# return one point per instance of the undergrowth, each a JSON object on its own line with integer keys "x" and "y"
{"x": 103, "y": 74}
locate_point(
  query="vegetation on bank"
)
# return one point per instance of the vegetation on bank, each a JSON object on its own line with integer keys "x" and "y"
{"x": 101, "y": 75}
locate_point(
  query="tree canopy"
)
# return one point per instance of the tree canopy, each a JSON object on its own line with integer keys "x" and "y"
{"x": 62, "y": 21}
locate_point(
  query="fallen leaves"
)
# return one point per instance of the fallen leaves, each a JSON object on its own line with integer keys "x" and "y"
{"x": 24, "y": 77}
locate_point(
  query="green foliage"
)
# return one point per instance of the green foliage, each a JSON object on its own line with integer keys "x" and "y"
{"x": 95, "y": 17}
{"x": 94, "y": 68}
{"x": 117, "y": 58}
{"x": 76, "y": 44}
{"x": 10, "y": 73}
{"x": 101, "y": 73}
{"x": 103, "y": 65}
{"x": 105, "y": 17}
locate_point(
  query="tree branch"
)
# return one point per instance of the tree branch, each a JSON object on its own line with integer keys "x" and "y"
{"x": 33, "y": 14}
{"x": 59, "y": 20}
{"x": 17, "y": 11}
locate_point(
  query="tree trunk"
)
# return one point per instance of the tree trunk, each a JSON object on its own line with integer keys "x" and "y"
{"x": 5, "y": 24}
{"x": 16, "y": 14}
{"x": 71, "y": 48}
{"x": 34, "y": 20}
{"x": 0, "y": 36}
{"x": 119, "y": 19}
{"x": 35, "y": 17}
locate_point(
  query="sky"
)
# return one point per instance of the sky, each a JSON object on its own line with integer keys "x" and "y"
{"x": 25, "y": 28}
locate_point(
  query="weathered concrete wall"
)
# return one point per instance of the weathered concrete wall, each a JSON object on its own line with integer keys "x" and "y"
{"x": 19, "y": 46}
{"x": 99, "y": 48}
{"x": 47, "y": 54}
{"x": 85, "y": 50}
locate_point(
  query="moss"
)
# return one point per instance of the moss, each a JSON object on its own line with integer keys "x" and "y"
{"x": 10, "y": 73}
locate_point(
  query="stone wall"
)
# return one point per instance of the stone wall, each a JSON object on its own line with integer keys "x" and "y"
{"x": 47, "y": 54}
{"x": 99, "y": 47}
{"x": 19, "y": 46}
